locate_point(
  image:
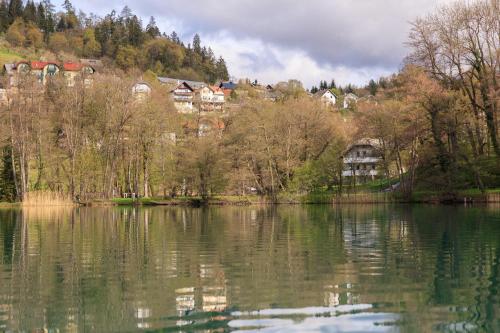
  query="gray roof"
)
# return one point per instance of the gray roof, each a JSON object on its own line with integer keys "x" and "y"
{"x": 94, "y": 63}
{"x": 193, "y": 84}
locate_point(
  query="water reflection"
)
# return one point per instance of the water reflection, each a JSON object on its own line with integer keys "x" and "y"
{"x": 292, "y": 269}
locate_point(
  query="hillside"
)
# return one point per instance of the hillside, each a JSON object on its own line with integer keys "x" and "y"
{"x": 36, "y": 28}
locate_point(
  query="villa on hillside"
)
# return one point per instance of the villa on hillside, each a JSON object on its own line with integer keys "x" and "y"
{"x": 326, "y": 97}
{"x": 361, "y": 159}
{"x": 183, "y": 96}
{"x": 211, "y": 99}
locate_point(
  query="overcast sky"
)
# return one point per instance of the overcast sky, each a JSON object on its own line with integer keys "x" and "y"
{"x": 351, "y": 41}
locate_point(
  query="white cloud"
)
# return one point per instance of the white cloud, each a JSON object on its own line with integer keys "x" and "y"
{"x": 350, "y": 40}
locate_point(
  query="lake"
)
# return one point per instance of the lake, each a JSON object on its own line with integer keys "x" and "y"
{"x": 269, "y": 269}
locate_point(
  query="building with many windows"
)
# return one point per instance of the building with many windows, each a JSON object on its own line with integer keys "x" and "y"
{"x": 362, "y": 159}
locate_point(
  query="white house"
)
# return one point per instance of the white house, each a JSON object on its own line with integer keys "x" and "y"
{"x": 326, "y": 97}
{"x": 362, "y": 158}
{"x": 183, "y": 96}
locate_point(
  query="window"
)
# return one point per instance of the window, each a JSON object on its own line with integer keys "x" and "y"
{"x": 51, "y": 69}
{"x": 357, "y": 167}
{"x": 357, "y": 154}
{"x": 373, "y": 166}
{"x": 364, "y": 153}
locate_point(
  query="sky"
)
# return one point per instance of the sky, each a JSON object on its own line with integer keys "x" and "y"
{"x": 351, "y": 41}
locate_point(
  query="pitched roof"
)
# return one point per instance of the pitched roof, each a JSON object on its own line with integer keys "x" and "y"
{"x": 185, "y": 84}
{"x": 94, "y": 63}
{"x": 216, "y": 90}
{"x": 322, "y": 92}
{"x": 72, "y": 66}
{"x": 228, "y": 85}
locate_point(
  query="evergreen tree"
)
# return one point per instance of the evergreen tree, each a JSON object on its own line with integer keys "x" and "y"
{"x": 221, "y": 70}
{"x": 30, "y": 14}
{"x": 15, "y": 10}
{"x": 373, "y": 87}
{"x": 332, "y": 85}
{"x": 151, "y": 29}
{"x": 174, "y": 37}
{"x": 7, "y": 183}
{"x": 197, "y": 44}
{"x": 134, "y": 31}
{"x": 4, "y": 16}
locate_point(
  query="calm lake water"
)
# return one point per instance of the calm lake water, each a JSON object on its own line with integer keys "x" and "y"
{"x": 266, "y": 269}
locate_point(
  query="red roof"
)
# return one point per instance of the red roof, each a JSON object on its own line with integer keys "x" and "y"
{"x": 72, "y": 66}
{"x": 41, "y": 64}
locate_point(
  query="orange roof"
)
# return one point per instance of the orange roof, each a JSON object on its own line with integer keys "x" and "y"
{"x": 41, "y": 64}
{"x": 72, "y": 66}
{"x": 216, "y": 89}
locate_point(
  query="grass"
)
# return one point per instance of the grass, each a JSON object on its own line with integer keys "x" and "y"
{"x": 7, "y": 56}
{"x": 45, "y": 199}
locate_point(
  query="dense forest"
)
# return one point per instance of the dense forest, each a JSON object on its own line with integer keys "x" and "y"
{"x": 436, "y": 120}
{"x": 118, "y": 37}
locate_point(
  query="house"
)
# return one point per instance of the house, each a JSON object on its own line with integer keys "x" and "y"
{"x": 211, "y": 98}
{"x": 326, "y": 97}
{"x": 42, "y": 70}
{"x": 183, "y": 96}
{"x": 362, "y": 158}
{"x": 228, "y": 87}
{"x": 141, "y": 90}
{"x": 350, "y": 99}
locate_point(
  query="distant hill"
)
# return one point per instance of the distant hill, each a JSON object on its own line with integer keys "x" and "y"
{"x": 33, "y": 28}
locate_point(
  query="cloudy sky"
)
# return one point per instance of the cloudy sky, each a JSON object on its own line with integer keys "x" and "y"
{"x": 351, "y": 41}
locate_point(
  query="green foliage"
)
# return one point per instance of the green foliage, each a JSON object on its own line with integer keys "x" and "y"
{"x": 7, "y": 182}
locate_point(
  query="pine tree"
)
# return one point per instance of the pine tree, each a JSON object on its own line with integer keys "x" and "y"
{"x": 15, "y": 10}
{"x": 7, "y": 182}
{"x": 4, "y": 16}
{"x": 373, "y": 87}
{"x": 151, "y": 29}
{"x": 197, "y": 43}
{"x": 29, "y": 13}
{"x": 332, "y": 85}
{"x": 221, "y": 70}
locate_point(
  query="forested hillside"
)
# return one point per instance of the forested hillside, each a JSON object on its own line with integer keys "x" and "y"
{"x": 122, "y": 38}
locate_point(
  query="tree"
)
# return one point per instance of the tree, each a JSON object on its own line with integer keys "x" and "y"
{"x": 458, "y": 45}
{"x": 91, "y": 47}
{"x": 15, "y": 10}
{"x": 197, "y": 44}
{"x": 151, "y": 29}
{"x": 33, "y": 36}
{"x": 58, "y": 42}
{"x": 372, "y": 87}
{"x": 7, "y": 179}
{"x": 15, "y": 33}
{"x": 126, "y": 57}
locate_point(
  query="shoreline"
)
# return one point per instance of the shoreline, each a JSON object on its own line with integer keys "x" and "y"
{"x": 434, "y": 198}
